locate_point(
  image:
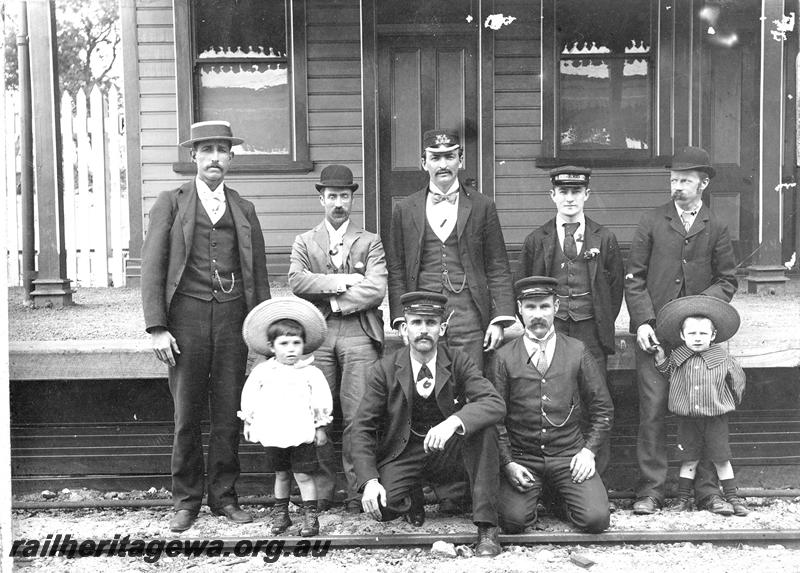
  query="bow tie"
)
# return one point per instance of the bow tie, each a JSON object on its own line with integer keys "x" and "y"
{"x": 439, "y": 197}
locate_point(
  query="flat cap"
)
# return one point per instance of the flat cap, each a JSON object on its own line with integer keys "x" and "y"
{"x": 440, "y": 140}
{"x": 535, "y": 286}
{"x": 424, "y": 302}
{"x": 570, "y": 176}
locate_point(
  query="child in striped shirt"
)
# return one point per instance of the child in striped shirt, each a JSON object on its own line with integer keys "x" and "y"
{"x": 705, "y": 384}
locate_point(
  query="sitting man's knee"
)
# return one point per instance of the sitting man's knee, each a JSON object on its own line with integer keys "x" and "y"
{"x": 594, "y": 522}
{"x": 514, "y": 521}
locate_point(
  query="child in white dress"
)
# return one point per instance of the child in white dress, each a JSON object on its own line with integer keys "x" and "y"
{"x": 286, "y": 403}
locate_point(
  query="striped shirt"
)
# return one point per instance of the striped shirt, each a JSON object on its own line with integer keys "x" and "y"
{"x": 708, "y": 383}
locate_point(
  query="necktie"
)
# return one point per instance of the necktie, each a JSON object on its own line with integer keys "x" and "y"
{"x": 336, "y": 253}
{"x": 570, "y": 248}
{"x": 216, "y": 203}
{"x": 439, "y": 197}
{"x": 686, "y": 217}
{"x": 541, "y": 358}
{"x": 424, "y": 381}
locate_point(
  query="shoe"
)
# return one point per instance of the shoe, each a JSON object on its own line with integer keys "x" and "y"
{"x": 715, "y": 504}
{"x": 310, "y": 526}
{"x": 416, "y": 513}
{"x": 681, "y": 504}
{"x": 353, "y": 507}
{"x": 280, "y": 521}
{"x": 738, "y": 505}
{"x": 182, "y": 520}
{"x": 233, "y": 512}
{"x": 646, "y": 505}
{"x": 487, "y": 545}
{"x": 449, "y": 507}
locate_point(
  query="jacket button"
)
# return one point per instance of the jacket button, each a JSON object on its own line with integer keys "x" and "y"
{"x": 677, "y": 281}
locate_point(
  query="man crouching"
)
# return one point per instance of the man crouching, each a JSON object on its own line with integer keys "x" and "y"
{"x": 427, "y": 411}
{"x": 547, "y": 380}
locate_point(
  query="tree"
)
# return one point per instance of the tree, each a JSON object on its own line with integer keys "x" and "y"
{"x": 88, "y": 45}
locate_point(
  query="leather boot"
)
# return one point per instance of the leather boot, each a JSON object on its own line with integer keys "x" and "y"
{"x": 487, "y": 545}
{"x": 280, "y": 519}
{"x": 310, "y": 522}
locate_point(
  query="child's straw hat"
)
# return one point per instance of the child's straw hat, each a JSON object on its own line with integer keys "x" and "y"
{"x": 254, "y": 329}
{"x": 670, "y": 318}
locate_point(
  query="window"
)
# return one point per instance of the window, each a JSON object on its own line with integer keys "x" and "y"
{"x": 602, "y": 87}
{"x": 244, "y": 62}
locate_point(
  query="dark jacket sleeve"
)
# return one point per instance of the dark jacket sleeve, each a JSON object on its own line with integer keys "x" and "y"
{"x": 615, "y": 270}
{"x": 501, "y": 385}
{"x": 495, "y": 263}
{"x": 596, "y": 400}
{"x": 260, "y": 276}
{"x": 723, "y": 267}
{"x": 367, "y": 422}
{"x": 526, "y": 258}
{"x": 396, "y": 265}
{"x": 484, "y": 406}
{"x": 640, "y": 305}
{"x": 155, "y": 261}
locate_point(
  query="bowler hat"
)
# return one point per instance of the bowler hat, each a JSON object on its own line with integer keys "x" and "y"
{"x": 424, "y": 302}
{"x": 209, "y": 130}
{"x": 535, "y": 286}
{"x": 570, "y": 176}
{"x": 669, "y": 321}
{"x": 440, "y": 140}
{"x": 254, "y": 329}
{"x": 336, "y": 176}
{"x": 692, "y": 158}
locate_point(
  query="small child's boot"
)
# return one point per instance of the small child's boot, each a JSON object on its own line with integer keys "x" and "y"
{"x": 310, "y": 522}
{"x": 281, "y": 521}
{"x": 739, "y": 507}
{"x": 684, "y": 500}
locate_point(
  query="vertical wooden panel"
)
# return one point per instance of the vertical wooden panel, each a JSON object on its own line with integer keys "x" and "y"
{"x": 118, "y": 223}
{"x": 83, "y": 243}
{"x": 68, "y": 158}
{"x": 13, "y": 242}
{"x": 369, "y": 117}
{"x": 406, "y": 114}
{"x": 450, "y": 90}
{"x": 682, "y": 83}
{"x": 726, "y": 105}
{"x": 99, "y": 226}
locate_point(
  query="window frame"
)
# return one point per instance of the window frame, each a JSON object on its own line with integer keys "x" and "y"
{"x": 551, "y": 155}
{"x": 298, "y": 160}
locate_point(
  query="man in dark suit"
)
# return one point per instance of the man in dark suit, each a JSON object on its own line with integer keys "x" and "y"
{"x": 342, "y": 270}
{"x": 584, "y": 257}
{"x": 203, "y": 269}
{"x": 447, "y": 238}
{"x": 679, "y": 249}
{"x": 426, "y": 411}
{"x": 548, "y": 381}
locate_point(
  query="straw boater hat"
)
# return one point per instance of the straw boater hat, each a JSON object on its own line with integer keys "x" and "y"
{"x": 209, "y": 130}
{"x": 670, "y": 318}
{"x": 254, "y": 329}
{"x": 692, "y": 158}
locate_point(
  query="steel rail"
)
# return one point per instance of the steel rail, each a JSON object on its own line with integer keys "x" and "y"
{"x": 263, "y": 500}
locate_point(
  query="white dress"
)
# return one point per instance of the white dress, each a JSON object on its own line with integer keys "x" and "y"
{"x": 284, "y": 405}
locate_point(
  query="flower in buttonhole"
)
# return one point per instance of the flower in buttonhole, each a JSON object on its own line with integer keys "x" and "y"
{"x": 591, "y": 253}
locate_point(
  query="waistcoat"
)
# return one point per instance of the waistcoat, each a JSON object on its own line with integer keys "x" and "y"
{"x": 573, "y": 279}
{"x": 440, "y": 267}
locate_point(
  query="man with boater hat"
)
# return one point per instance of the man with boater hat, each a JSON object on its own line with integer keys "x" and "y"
{"x": 584, "y": 257}
{"x": 203, "y": 269}
{"x": 679, "y": 249}
{"x": 426, "y": 412}
{"x": 446, "y": 238}
{"x": 341, "y": 268}
{"x": 549, "y": 381}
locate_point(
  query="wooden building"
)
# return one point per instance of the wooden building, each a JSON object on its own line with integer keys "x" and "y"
{"x": 529, "y": 84}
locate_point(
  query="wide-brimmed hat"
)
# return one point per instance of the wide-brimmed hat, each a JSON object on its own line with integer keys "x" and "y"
{"x": 254, "y": 329}
{"x": 336, "y": 176}
{"x": 692, "y": 158}
{"x": 671, "y": 316}
{"x": 208, "y": 130}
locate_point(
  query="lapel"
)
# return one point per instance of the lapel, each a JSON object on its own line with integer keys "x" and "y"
{"x": 671, "y": 213}
{"x": 443, "y": 388}
{"x": 464, "y": 210}
{"x": 699, "y": 221}
{"x": 549, "y": 244}
{"x": 350, "y": 237}
{"x": 322, "y": 239}
{"x": 187, "y": 212}
{"x": 240, "y": 222}
{"x": 417, "y": 204}
{"x": 403, "y": 374}
{"x": 591, "y": 240}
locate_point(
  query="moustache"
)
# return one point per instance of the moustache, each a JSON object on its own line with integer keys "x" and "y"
{"x": 423, "y": 337}
{"x": 444, "y": 172}
{"x": 537, "y": 323}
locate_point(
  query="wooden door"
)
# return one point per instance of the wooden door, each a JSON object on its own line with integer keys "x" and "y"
{"x": 424, "y": 82}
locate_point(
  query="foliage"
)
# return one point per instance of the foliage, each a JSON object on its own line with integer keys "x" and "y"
{"x": 88, "y": 44}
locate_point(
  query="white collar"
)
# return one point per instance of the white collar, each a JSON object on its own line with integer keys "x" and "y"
{"x": 204, "y": 190}
{"x": 336, "y": 235}
{"x": 693, "y": 212}
{"x": 435, "y": 190}
{"x": 560, "y": 221}
{"x": 416, "y": 365}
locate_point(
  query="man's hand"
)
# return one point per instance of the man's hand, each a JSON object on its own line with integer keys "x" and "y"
{"x": 493, "y": 338}
{"x": 519, "y": 476}
{"x": 320, "y": 437}
{"x": 437, "y": 436}
{"x": 374, "y": 494}
{"x": 661, "y": 356}
{"x": 351, "y": 279}
{"x": 646, "y": 338}
{"x": 164, "y": 345}
{"x": 582, "y": 465}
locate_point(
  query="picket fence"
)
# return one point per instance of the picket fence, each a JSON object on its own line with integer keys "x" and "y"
{"x": 96, "y": 224}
